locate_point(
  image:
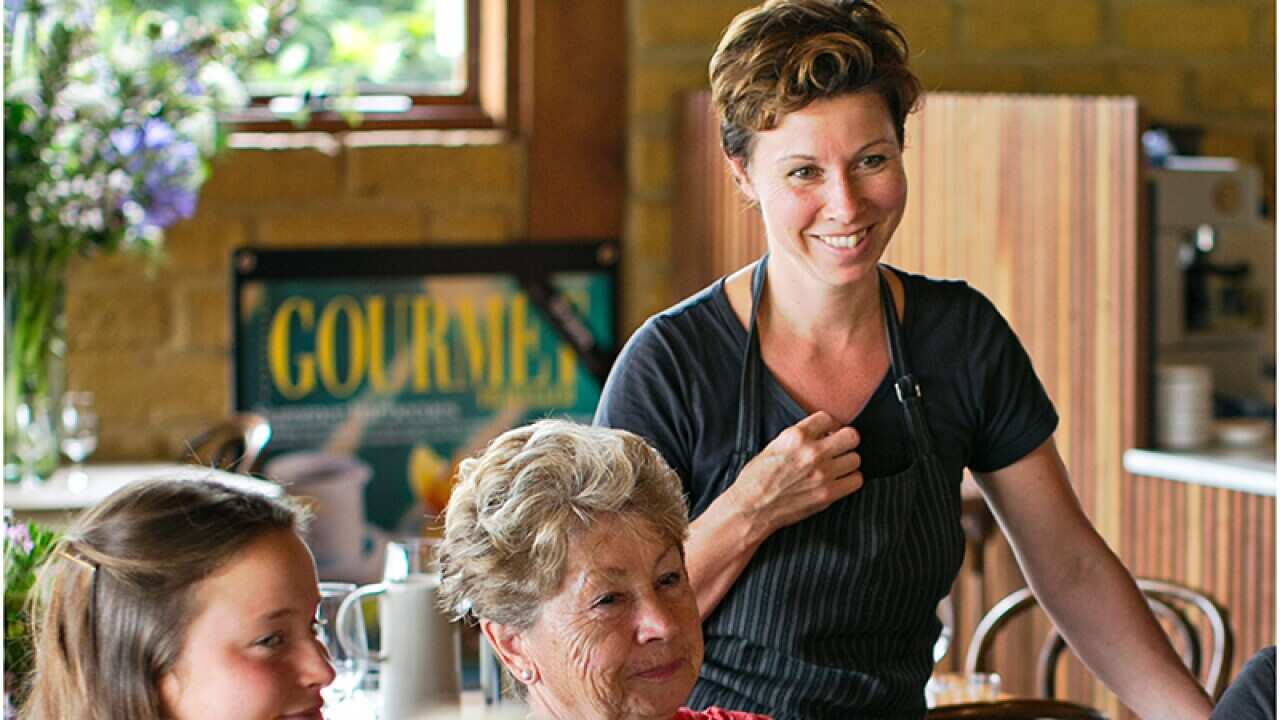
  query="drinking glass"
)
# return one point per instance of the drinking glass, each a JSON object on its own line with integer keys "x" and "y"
{"x": 79, "y": 425}
{"x": 349, "y": 668}
{"x": 33, "y": 438}
{"x": 409, "y": 557}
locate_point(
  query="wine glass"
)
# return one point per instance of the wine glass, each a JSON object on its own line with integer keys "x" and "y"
{"x": 33, "y": 438}
{"x": 79, "y": 425}
{"x": 349, "y": 669}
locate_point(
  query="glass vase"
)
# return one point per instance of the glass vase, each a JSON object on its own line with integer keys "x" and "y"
{"x": 35, "y": 292}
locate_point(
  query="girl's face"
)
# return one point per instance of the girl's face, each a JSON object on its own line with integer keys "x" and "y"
{"x": 251, "y": 651}
{"x": 831, "y": 188}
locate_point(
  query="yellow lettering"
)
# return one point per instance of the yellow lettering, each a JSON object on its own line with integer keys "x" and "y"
{"x": 431, "y": 323}
{"x": 494, "y": 316}
{"x": 472, "y": 343}
{"x": 376, "y": 312}
{"x": 326, "y": 345}
{"x": 278, "y": 349}
{"x": 525, "y": 342}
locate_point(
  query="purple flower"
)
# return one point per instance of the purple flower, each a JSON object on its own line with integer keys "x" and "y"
{"x": 169, "y": 166}
{"x": 20, "y": 535}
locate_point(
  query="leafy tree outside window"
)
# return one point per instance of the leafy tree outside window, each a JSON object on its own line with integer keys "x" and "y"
{"x": 358, "y": 62}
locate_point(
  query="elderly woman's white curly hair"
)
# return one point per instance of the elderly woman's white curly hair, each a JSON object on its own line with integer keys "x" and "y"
{"x": 517, "y": 506}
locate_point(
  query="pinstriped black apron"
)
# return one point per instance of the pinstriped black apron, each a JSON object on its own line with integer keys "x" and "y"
{"x": 834, "y": 617}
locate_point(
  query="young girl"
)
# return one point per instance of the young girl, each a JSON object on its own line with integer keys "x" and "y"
{"x": 179, "y": 600}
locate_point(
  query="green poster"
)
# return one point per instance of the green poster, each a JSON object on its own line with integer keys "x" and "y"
{"x": 413, "y": 359}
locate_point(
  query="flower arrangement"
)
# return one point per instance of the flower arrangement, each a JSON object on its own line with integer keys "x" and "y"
{"x": 26, "y": 547}
{"x": 110, "y": 114}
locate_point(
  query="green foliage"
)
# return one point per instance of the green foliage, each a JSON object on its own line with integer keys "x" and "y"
{"x": 341, "y": 46}
{"x": 26, "y": 548}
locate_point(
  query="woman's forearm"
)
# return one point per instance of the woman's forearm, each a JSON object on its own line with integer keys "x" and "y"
{"x": 1095, "y": 603}
{"x": 721, "y": 542}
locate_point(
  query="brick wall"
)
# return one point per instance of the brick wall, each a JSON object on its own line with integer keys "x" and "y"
{"x": 155, "y": 345}
{"x": 1191, "y": 62}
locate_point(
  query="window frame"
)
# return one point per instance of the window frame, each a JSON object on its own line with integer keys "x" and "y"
{"x": 467, "y": 110}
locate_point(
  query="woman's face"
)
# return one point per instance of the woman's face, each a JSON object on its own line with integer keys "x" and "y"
{"x": 622, "y": 637}
{"x": 831, "y": 187}
{"x": 251, "y": 651}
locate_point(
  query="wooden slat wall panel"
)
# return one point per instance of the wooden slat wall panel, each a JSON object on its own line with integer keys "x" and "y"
{"x": 1219, "y": 541}
{"x": 1034, "y": 200}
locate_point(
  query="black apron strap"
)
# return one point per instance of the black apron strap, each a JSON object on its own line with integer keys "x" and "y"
{"x": 748, "y": 438}
{"x": 904, "y": 383}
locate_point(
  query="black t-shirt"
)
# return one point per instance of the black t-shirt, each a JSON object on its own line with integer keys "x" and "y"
{"x": 676, "y": 384}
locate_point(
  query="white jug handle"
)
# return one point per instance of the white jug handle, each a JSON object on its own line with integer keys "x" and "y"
{"x": 356, "y": 600}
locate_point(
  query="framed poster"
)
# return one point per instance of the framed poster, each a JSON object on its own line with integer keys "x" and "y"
{"x": 412, "y": 358}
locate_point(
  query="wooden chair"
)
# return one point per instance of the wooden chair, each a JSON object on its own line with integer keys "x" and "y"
{"x": 234, "y": 444}
{"x": 1169, "y": 602}
{"x": 1016, "y": 710}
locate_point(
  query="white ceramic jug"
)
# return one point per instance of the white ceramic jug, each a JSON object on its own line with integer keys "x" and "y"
{"x": 420, "y": 647}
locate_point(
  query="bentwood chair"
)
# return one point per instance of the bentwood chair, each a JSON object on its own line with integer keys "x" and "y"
{"x": 234, "y": 444}
{"x": 1016, "y": 710}
{"x": 1173, "y": 605}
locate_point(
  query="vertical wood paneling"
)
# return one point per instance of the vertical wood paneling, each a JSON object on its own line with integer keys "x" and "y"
{"x": 1034, "y": 201}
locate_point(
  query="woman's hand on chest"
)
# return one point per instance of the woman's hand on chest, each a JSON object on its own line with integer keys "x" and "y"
{"x": 803, "y": 470}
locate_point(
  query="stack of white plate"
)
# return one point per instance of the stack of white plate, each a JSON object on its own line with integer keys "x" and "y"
{"x": 1184, "y": 406}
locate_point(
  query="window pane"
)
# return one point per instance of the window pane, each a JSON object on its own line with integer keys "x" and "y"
{"x": 416, "y": 47}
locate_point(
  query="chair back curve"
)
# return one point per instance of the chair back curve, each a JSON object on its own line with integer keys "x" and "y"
{"x": 235, "y": 444}
{"x": 1171, "y": 603}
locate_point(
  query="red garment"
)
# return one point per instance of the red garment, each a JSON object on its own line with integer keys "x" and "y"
{"x": 715, "y": 713}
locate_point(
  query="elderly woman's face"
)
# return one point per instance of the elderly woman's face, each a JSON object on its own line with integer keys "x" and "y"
{"x": 831, "y": 187}
{"x": 622, "y": 637}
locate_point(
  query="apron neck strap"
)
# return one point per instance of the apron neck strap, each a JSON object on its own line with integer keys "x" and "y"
{"x": 903, "y": 383}
{"x": 749, "y": 387}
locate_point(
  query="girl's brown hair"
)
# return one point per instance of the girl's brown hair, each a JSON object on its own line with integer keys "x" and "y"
{"x": 115, "y": 598}
{"x": 779, "y": 57}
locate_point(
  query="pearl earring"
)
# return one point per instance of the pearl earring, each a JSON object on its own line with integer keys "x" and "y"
{"x": 526, "y": 675}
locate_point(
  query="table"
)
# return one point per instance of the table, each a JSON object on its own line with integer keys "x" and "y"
{"x": 56, "y": 502}
{"x": 959, "y": 688}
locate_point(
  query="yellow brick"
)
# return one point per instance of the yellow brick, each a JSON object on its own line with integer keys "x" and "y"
{"x": 926, "y": 23}
{"x": 430, "y": 173}
{"x": 1186, "y": 26}
{"x": 1001, "y": 25}
{"x": 648, "y": 233}
{"x": 203, "y": 244}
{"x": 973, "y": 77}
{"x": 470, "y": 225}
{"x": 264, "y": 177}
{"x": 120, "y": 441}
{"x": 130, "y": 314}
{"x": 203, "y": 316}
{"x": 111, "y": 268}
{"x": 349, "y": 224}
{"x": 645, "y": 291}
{"x": 654, "y": 87}
{"x": 650, "y": 163}
{"x": 1161, "y": 90}
{"x": 683, "y": 22}
{"x": 133, "y": 389}
{"x": 1237, "y": 88}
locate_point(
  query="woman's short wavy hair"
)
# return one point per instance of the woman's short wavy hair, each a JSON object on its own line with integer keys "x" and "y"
{"x": 778, "y": 57}
{"x": 518, "y": 506}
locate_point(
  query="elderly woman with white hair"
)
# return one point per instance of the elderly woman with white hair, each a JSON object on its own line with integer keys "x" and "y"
{"x": 566, "y": 544}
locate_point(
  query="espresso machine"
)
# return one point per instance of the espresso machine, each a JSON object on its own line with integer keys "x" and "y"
{"x": 1214, "y": 279}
